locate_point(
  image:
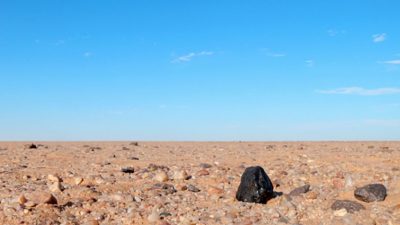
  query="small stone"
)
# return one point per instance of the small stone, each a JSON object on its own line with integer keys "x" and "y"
{"x": 53, "y": 178}
{"x": 350, "y": 206}
{"x": 205, "y": 165}
{"x": 371, "y": 193}
{"x": 202, "y": 173}
{"x": 181, "y": 175}
{"x": 32, "y": 146}
{"x": 30, "y": 204}
{"x": 43, "y": 198}
{"x": 255, "y": 186}
{"x": 128, "y": 170}
{"x": 341, "y": 212}
{"x": 192, "y": 188}
{"x": 161, "y": 176}
{"x": 137, "y": 199}
{"x": 311, "y": 195}
{"x": 153, "y": 217}
{"x": 215, "y": 191}
{"x": 22, "y": 200}
{"x": 134, "y": 143}
{"x": 300, "y": 190}
{"x": 78, "y": 180}
{"x": 55, "y": 187}
{"x": 165, "y": 214}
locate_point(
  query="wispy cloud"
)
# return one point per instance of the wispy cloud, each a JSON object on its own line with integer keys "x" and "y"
{"x": 272, "y": 53}
{"x": 361, "y": 91}
{"x": 393, "y": 62}
{"x": 383, "y": 122}
{"x": 379, "y": 37}
{"x": 190, "y": 56}
{"x": 310, "y": 63}
{"x": 334, "y": 32}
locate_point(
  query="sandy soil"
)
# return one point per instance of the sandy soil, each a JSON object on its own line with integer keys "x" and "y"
{"x": 193, "y": 183}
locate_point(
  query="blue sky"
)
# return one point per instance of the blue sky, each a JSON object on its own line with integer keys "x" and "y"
{"x": 199, "y": 70}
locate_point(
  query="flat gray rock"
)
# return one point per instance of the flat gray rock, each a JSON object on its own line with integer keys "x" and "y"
{"x": 350, "y": 206}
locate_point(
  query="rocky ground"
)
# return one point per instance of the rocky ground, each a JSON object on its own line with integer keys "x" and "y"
{"x": 196, "y": 183}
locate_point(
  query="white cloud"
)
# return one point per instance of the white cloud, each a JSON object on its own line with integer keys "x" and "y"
{"x": 334, "y": 32}
{"x": 87, "y": 54}
{"x": 361, "y": 91}
{"x": 379, "y": 37}
{"x": 190, "y": 56}
{"x": 393, "y": 62}
{"x": 310, "y": 63}
{"x": 273, "y": 54}
{"x": 383, "y": 122}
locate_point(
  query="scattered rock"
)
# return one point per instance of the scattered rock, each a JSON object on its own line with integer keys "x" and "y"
{"x": 128, "y": 170}
{"x": 53, "y": 178}
{"x": 255, "y": 186}
{"x": 350, "y": 206}
{"x": 161, "y": 176}
{"x": 205, "y": 165}
{"x": 192, "y": 188}
{"x": 340, "y": 212}
{"x": 180, "y": 175}
{"x": 300, "y": 190}
{"x": 32, "y": 146}
{"x": 134, "y": 143}
{"x": 215, "y": 191}
{"x": 78, "y": 180}
{"x": 202, "y": 173}
{"x": 153, "y": 217}
{"x": 22, "y": 200}
{"x": 55, "y": 187}
{"x": 133, "y": 158}
{"x": 43, "y": 198}
{"x": 166, "y": 188}
{"x": 371, "y": 193}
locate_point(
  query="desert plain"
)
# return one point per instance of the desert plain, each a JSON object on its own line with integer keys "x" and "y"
{"x": 194, "y": 182}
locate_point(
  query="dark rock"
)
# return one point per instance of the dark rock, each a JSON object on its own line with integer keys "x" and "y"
{"x": 165, "y": 188}
{"x": 133, "y": 158}
{"x": 134, "y": 143}
{"x": 350, "y": 206}
{"x": 192, "y": 188}
{"x": 255, "y": 186}
{"x": 205, "y": 165}
{"x": 32, "y": 146}
{"x": 128, "y": 170}
{"x": 165, "y": 214}
{"x": 300, "y": 190}
{"x": 371, "y": 193}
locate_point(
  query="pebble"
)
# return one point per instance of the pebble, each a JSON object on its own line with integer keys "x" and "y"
{"x": 350, "y": 206}
{"x": 371, "y": 193}
{"x": 180, "y": 175}
{"x": 55, "y": 187}
{"x": 153, "y": 217}
{"x": 78, "y": 180}
{"x": 161, "y": 176}
{"x": 128, "y": 170}
{"x": 22, "y": 199}
{"x": 203, "y": 172}
{"x": 53, "y": 178}
{"x": 43, "y": 198}
{"x": 215, "y": 191}
{"x": 192, "y": 188}
{"x": 340, "y": 212}
{"x": 300, "y": 190}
